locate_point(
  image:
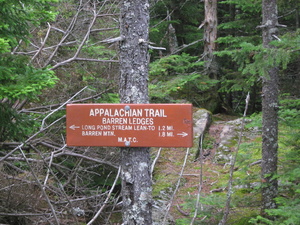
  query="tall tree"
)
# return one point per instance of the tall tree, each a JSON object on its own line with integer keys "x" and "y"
{"x": 135, "y": 162}
{"x": 269, "y": 110}
{"x": 210, "y": 36}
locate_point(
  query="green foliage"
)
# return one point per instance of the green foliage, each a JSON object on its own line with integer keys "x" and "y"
{"x": 289, "y": 172}
{"x": 210, "y": 211}
{"x": 185, "y": 17}
{"x": 109, "y": 98}
{"x": 14, "y": 126}
{"x": 4, "y": 45}
{"x": 98, "y": 51}
{"x": 174, "y": 77}
{"x": 16, "y": 18}
{"x": 18, "y": 79}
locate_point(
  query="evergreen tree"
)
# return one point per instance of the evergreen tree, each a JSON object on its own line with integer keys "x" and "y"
{"x": 135, "y": 162}
{"x": 270, "y": 94}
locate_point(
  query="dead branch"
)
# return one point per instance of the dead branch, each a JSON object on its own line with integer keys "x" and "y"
{"x": 81, "y": 44}
{"x": 181, "y": 211}
{"x": 41, "y": 187}
{"x": 31, "y": 110}
{"x": 179, "y": 49}
{"x": 155, "y": 160}
{"x": 42, "y": 44}
{"x": 177, "y": 186}
{"x": 69, "y": 153}
{"x": 24, "y": 214}
{"x": 67, "y": 33}
{"x": 62, "y": 105}
{"x": 29, "y": 139}
{"x": 200, "y": 181}
{"x": 107, "y": 198}
{"x": 229, "y": 191}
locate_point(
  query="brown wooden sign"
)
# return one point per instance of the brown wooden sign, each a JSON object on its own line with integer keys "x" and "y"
{"x": 130, "y": 125}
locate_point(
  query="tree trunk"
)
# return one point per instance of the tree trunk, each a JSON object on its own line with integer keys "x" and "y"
{"x": 210, "y": 37}
{"x": 135, "y": 162}
{"x": 269, "y": 111}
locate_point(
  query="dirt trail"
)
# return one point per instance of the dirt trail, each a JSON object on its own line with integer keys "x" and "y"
{"x": 169, "y": 166}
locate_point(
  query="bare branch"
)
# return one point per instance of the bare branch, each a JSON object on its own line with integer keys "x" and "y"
{"x": 96, "y": 60}
{"x": 67, "y": 33}
{"x": 41, "y": 187}
{"x": 73, "y": 101}
{"x": 200, "y": 180}
{"x": 69, "y": 153}
{"x": 104, "y": 29}
{"x": 156, "y": 48}
{"x": 155, "y": 160}
{"x": 186, "y": 46}
{"x": 177, "y": 186}
{"x": 29, "y": 139}
{"x": 62, "y": 105}
{"x": 113, "y": 40}
{"x": 107, "y": 198}
{"x": 229, "y": 191}
{"x": 42, "y": 44}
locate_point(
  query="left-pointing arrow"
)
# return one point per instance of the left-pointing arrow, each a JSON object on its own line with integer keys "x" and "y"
{"x": 73, "y": 127}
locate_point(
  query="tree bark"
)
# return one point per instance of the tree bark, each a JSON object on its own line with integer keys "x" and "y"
{"x": 269, "y": 111}
{"x": 210, "y": 37}
{"x": 135, "y": 162}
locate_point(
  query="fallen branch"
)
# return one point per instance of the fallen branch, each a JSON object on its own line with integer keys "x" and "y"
{"x": 200, "y": 180}
{"x": 177, "y": 186}
{"x": 181, "y": 211}
{"x": 70, "y": 102}
{"x": 69, "y": 153}
{"x": 229, "y": 191}
{"x": 155, "y": 160}
{"x": 41, "y": 187}
{"x": 107, "y": 198}
{"x": 62, "y": 105}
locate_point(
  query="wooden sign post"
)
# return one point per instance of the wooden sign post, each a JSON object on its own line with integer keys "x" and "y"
{"x": 130, "y": 125}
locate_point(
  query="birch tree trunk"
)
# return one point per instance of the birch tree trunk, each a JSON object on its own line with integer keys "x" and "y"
{"x": 135, "y": 162}
{"x": 269, "y": 110}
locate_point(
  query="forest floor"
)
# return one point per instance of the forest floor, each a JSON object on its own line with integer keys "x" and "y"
{"x": 214, "y": 176}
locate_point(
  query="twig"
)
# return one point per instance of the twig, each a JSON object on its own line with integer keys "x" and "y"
{"x": 74, "y": 101}
{"x": 186, "y": 46}
{"x": 29, "y": 139}
{"x": 62, "y": 105}
{"x": 177, "y": 186}
{"x": 154, "y": 161}
{"x": 113, "y": 40}
{"x": 156, "y": 48}
{"x": 67, "y": 33}
{"x": 80, "y": 46}
{"x": 107, "y": 198}
{"x": 41, "y": 187}
{"x": 255, "y": 163}
{"x": 200, "y": 180}
{"x": 71, "y": 176}
{"x": 48, "y": 171}
{"x": 229, "y": 191}
{"x": 181, "y": 211}
{"x": 42, "y": 44}
{"x": 23, "y": 214}
{"x": 85, "y": 157}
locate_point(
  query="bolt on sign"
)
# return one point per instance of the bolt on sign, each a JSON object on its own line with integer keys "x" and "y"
{"x": 130, "y": 125}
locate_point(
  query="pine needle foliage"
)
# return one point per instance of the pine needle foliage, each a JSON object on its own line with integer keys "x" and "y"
{"x": 172, "y": 78}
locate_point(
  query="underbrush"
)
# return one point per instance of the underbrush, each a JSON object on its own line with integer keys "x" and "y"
{"x": 246, "y": 198}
